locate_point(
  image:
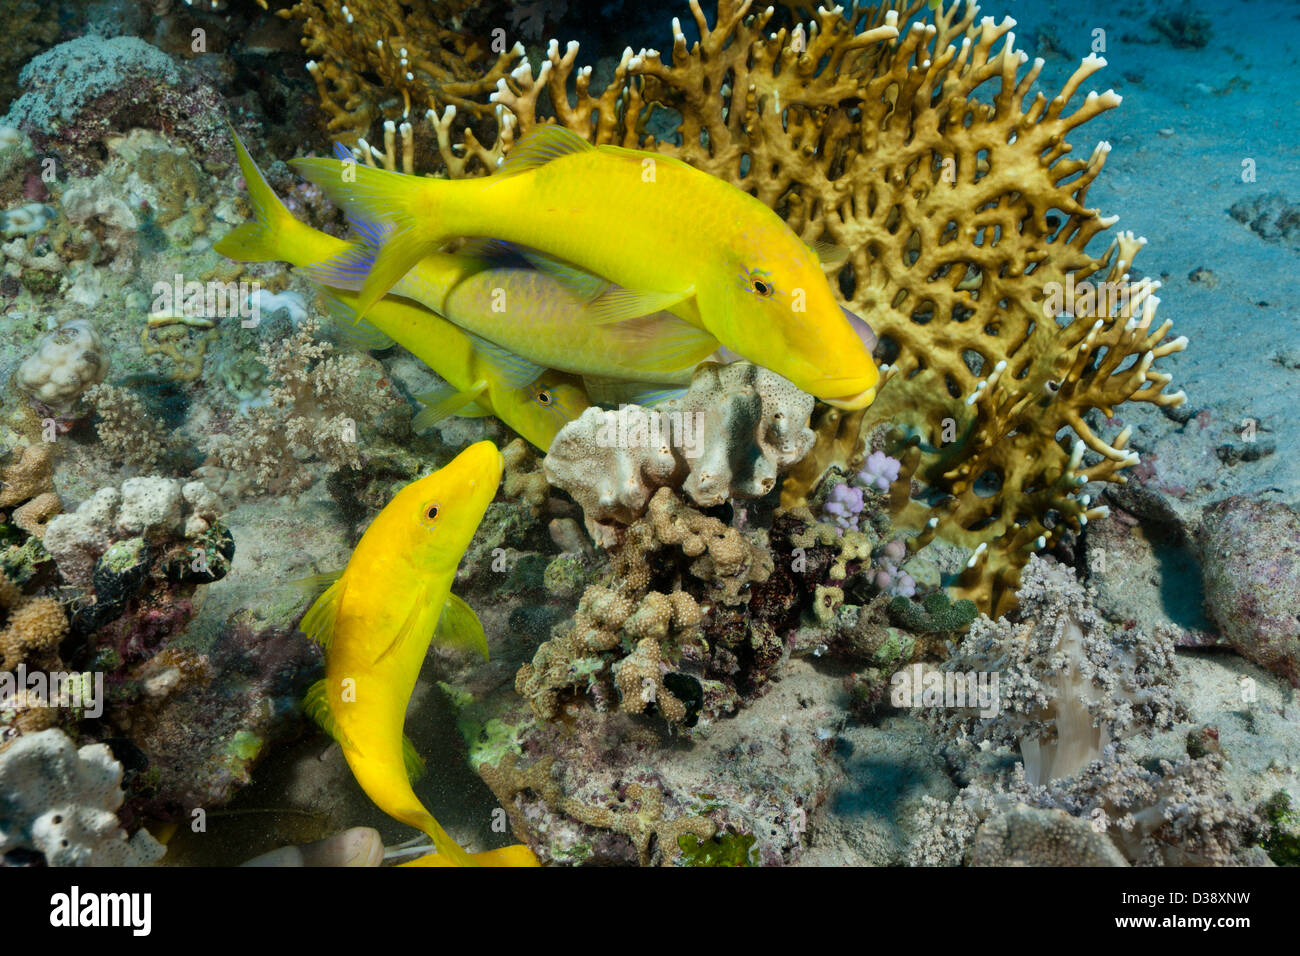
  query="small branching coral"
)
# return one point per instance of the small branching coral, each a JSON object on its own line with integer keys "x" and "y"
{"x": 315, "y": 408}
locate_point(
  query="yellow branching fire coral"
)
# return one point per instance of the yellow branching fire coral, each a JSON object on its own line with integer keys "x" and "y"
{"x": 381, "y": 59}
{"x": 912, "y": 138}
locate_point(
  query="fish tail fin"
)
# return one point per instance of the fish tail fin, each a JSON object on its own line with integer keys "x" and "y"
{"x": 259, "y": 240}
{"x": 406, "y": 205}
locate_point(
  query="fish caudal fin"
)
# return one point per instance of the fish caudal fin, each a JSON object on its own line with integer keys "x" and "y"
{"x": 259, "y": 240}
{"x": 405, "y": 204}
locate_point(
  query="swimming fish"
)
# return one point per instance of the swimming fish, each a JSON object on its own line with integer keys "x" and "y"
{"x": 376, "y": 621}
{"x": 669, "y": 235}
{"x": 535, "y": 402}
{"x": 532, "y": 314}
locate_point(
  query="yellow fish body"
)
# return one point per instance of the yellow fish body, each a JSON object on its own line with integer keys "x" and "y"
{"x": 537, "y": 410}
{"x": 530, "y": 313}
{"x": 672, "y": 235}
{"x": 376, "y": 621}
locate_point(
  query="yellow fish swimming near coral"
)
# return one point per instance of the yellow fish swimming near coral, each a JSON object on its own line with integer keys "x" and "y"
{"x": 534, "y": 402}
{"x": 671, "y": 236}
{"x": 376, "y": 621}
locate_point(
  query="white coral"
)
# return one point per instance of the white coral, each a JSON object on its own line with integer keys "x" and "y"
{"x": 67, "y": 361}
{"x": 63, "y": 802}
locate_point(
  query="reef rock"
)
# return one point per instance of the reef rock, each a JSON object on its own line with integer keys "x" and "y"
{"x": 1250, "y": 562}
{"x": 728, "y": 438}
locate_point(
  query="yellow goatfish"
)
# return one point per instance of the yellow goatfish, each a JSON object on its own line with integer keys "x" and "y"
{"x": 535, "y": 316}
{"x": 376, "y": 621}
{"x": 671, "y": 236}
{"x": 534, "y": 402}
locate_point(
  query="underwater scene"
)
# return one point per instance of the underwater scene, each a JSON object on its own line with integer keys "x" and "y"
{"x": 698, "y": 433}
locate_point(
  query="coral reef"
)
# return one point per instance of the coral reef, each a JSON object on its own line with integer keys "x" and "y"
{"x": 1066, "y": 686}
{"x": 317, "y": 406}
{"x": 62, "y": 802}
{"x": 1249, "y": 552}
{"x": 76, "y": 94}
{"x": 66, "y": 362}
{"x": 727, "y": 438}
{"x": 380, "y": 59}
{"x": 965, "y": 226}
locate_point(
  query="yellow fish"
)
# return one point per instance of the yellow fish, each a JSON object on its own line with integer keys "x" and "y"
{"x": 533, "y": 315}
{"x": 671, "y": 236}
{"x": 376, "y": 621}
{"x": 534, "y": 402}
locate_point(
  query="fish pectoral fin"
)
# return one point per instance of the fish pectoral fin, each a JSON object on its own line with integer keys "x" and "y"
{"x": 412, "y": 761}
{"x": 420, "y": 620}
{"x": 617, "y": 391}
{"x": 355, "y": 333}
{"x": 539, "y": 147}
{"x": 318, "y": 622}
{"x": 444, "y": 402}
{"x": 828, "y": 253}
{"x": 617, "y": 304}
{"x": 584, "y": 285}
{"x": 663, "y": 343}
{"x": 510, "y": 368}
{"x": 316, "y": 705}
{"x": 460, "y": 628}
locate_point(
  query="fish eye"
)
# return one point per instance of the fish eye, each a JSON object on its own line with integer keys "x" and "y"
{"x": 763, "y": 288}
{"x": 430, "y": 514}
{"x": 544, "y": 398}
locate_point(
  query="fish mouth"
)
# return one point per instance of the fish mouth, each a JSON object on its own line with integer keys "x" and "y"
{"x": 852, "y": 403}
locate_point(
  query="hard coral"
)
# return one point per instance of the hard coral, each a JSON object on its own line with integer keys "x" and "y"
{"x": 378, "y": 59}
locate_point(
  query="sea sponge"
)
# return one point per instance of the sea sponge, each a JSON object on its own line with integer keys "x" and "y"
{"x": 67, "y": 361}
{"x": 727, "y": 438}
{"x": 62, "y": 802}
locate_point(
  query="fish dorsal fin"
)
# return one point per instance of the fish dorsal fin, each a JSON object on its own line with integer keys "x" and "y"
{"x": 460, "y": 628}
{"x": 318, "y": 622}
{"x": 584, "y": 285}
{"x": 513, "y": 370}
{"x": 444, "y": 402}
{"x": 662, "y": 343}
{"x": 617, "y": 304}
{"x": 541, "y": 146}
{"x": 829, "y": 253}
{"x": 357, "y": 334}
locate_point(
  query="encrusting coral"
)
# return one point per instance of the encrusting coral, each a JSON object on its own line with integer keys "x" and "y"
{"x": 918, "y": 148}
